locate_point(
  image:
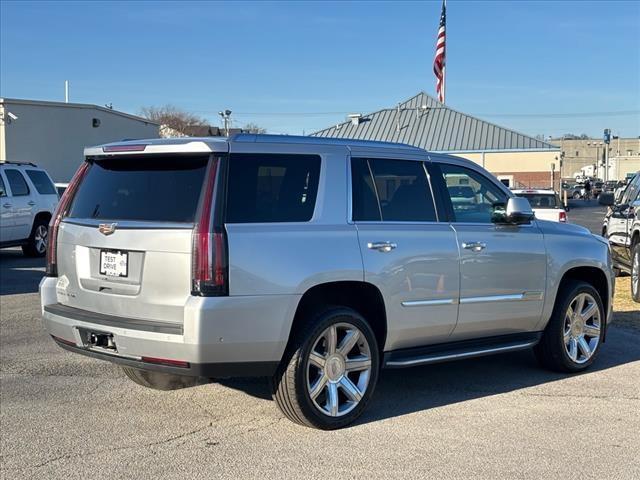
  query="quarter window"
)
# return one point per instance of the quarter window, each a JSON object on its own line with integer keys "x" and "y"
{"x": 473, "y": 196}
{"x": 265, "y": 188}
{"x": 17, "y": 183}
{"x": 3, "y": 191}
{"x": 42, "y": 182}
{"x": 391, "y": 191}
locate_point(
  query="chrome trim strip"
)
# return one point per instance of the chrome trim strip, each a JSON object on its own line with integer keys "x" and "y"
{"x": 456, "y": 356}
{"x": 129, "y": 224}
{"x": 426, "y": 303}
{"x": 503, "y": 298}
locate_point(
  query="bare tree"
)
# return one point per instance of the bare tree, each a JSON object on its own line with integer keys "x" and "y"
{"x": 253, "y": 128}
{"x": 172, "y": 118}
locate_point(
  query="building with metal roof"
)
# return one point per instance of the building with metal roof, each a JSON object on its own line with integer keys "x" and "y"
{"x": 517, "y": 159}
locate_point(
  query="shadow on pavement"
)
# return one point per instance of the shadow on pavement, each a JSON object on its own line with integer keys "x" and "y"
{"x": 19, "y": 274}
{"x": 404, "y": 391}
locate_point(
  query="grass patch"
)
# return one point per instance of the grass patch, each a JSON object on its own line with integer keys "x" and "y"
{"x": 627, "y": 312}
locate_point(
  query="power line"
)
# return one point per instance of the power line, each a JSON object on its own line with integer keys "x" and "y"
{"x": 501, "y": 115}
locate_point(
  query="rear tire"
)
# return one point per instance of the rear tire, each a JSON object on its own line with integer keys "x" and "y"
{"x": 330, "y": 372}
{"x": 572, "y": 338}
{"x": 635, "y": 272}
{"x": 159, "y": 380}
{"x": 37, "y": 242}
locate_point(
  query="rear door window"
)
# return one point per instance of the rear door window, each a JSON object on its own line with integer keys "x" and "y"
{"x": 17, "y": 183}
{"x": 42, "y": 182}
{"x": 391, "y": 191}
{"x": 157, "y": 188}
{"x": 267, "y": 188}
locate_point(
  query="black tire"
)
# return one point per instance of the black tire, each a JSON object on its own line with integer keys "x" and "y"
{"x": 551, "y": 351}
{"x": 289, "y": 385}
{"x": 635, "y": 272}
{"x": 159, "y": 380}
{"x": 37, "y": 243}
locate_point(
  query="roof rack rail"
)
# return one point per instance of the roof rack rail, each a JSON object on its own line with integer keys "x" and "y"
{"x": 12, "y": 162}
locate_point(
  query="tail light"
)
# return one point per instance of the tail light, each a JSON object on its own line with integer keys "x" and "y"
{"x": 209, "y": 246}
{"x": 563, "y": 216}
{"x": 60, "y": 213}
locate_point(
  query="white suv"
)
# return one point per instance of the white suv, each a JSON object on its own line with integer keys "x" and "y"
{"x": 28, "y": 198}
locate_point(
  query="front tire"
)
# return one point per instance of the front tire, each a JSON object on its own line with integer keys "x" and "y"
{"x": 572, "y": 338}
{"x": 331, "y": 370}
{"x": 635, "y": 273}
{"x": 37, "y": 242}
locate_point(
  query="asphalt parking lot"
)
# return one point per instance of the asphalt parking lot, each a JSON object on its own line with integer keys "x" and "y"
{"x": 67, "y": 416}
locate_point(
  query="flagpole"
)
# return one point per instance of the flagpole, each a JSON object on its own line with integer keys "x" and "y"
{"x": 444, "y": 67}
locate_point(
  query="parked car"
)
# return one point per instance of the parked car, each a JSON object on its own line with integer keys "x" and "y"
{"x": 313, "y": 261}
{"x": 622, "y": 229}
{"x": 28, "y": 200}
{"x": 546, "y": 204}
{"x": 60, "y": 188}
{"x": 611, "y": 185}
{"x": 597, "y": 188}
{"x": 575, "y": 191}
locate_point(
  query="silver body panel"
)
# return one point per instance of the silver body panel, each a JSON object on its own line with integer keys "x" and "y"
{"x": 434, "y": 290}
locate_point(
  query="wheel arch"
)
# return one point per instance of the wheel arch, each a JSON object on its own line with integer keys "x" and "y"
{"x": 363, "y": 297}
{"x": 595, "y": 277}
{"x": 46, "y": 216}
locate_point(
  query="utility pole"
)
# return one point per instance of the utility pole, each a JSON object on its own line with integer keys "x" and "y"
{"x": 66, "y": 91}
{"x": 607, "y": 140}
{"x": 226, "y": 117}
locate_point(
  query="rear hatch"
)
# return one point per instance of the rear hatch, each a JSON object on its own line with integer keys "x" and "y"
{"x": 125, "y": 246}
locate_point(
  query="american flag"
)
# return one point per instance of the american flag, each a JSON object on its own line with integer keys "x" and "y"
{"x": 439, "y": 60}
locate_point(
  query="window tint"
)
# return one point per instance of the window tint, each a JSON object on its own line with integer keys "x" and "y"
{"x": 631, "y": 190}
{"x": 364, "y": 197}
{"x": 3, "y": 191}
{"x": 42, "y": 183}
{"x": 541, "y": 200}
{"x": 17, "y": 183}
{"x": 272, "y": 188}
{"x": 146, "y": 188}
{"x": 472, "y": 195}
{"x": 401, "y": 186}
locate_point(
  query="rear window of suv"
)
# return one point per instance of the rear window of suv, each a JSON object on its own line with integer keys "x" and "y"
{"x": 42, "y": 182}
{"x": 541, "y": 200}
{"x": 267, "y": 188}
{"x": 144, "y": 188}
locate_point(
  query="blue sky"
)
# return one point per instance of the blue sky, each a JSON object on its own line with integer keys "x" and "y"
{"x": 296, "y": 67}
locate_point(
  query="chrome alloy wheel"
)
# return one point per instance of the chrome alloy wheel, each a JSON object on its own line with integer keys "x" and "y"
{"x": 40, "y": 238}
{"x": 582, "y": 323}
{"x": 635, "y": 273}
{"x": 338, "y": 369}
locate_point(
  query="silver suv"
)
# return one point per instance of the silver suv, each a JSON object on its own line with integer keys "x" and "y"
{"x": 313, "y": 261}
{"x": 28, "y": 199}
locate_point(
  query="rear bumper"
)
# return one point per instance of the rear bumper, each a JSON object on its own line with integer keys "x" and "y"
{"x": 218, "y": 337}
{"x": 207, "y": 370}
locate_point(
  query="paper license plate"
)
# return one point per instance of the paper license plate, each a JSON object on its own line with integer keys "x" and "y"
{"x": 114, "y": 263}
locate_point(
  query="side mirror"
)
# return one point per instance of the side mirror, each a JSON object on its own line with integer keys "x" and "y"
{"x": 607, "y": 199}
{"x": 517, "y": 212}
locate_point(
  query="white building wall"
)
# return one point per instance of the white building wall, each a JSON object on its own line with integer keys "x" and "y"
{"x": 53, "y": 135}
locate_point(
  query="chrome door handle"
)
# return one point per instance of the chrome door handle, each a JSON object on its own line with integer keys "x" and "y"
{"x": 32, "y": 203}
{"x": 384, "y": 247}
{"x": 7, "y": 205}
{"x": 474, "y": 246}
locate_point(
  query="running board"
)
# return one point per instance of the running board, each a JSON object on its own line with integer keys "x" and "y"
{"x": 444, "y": 352}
